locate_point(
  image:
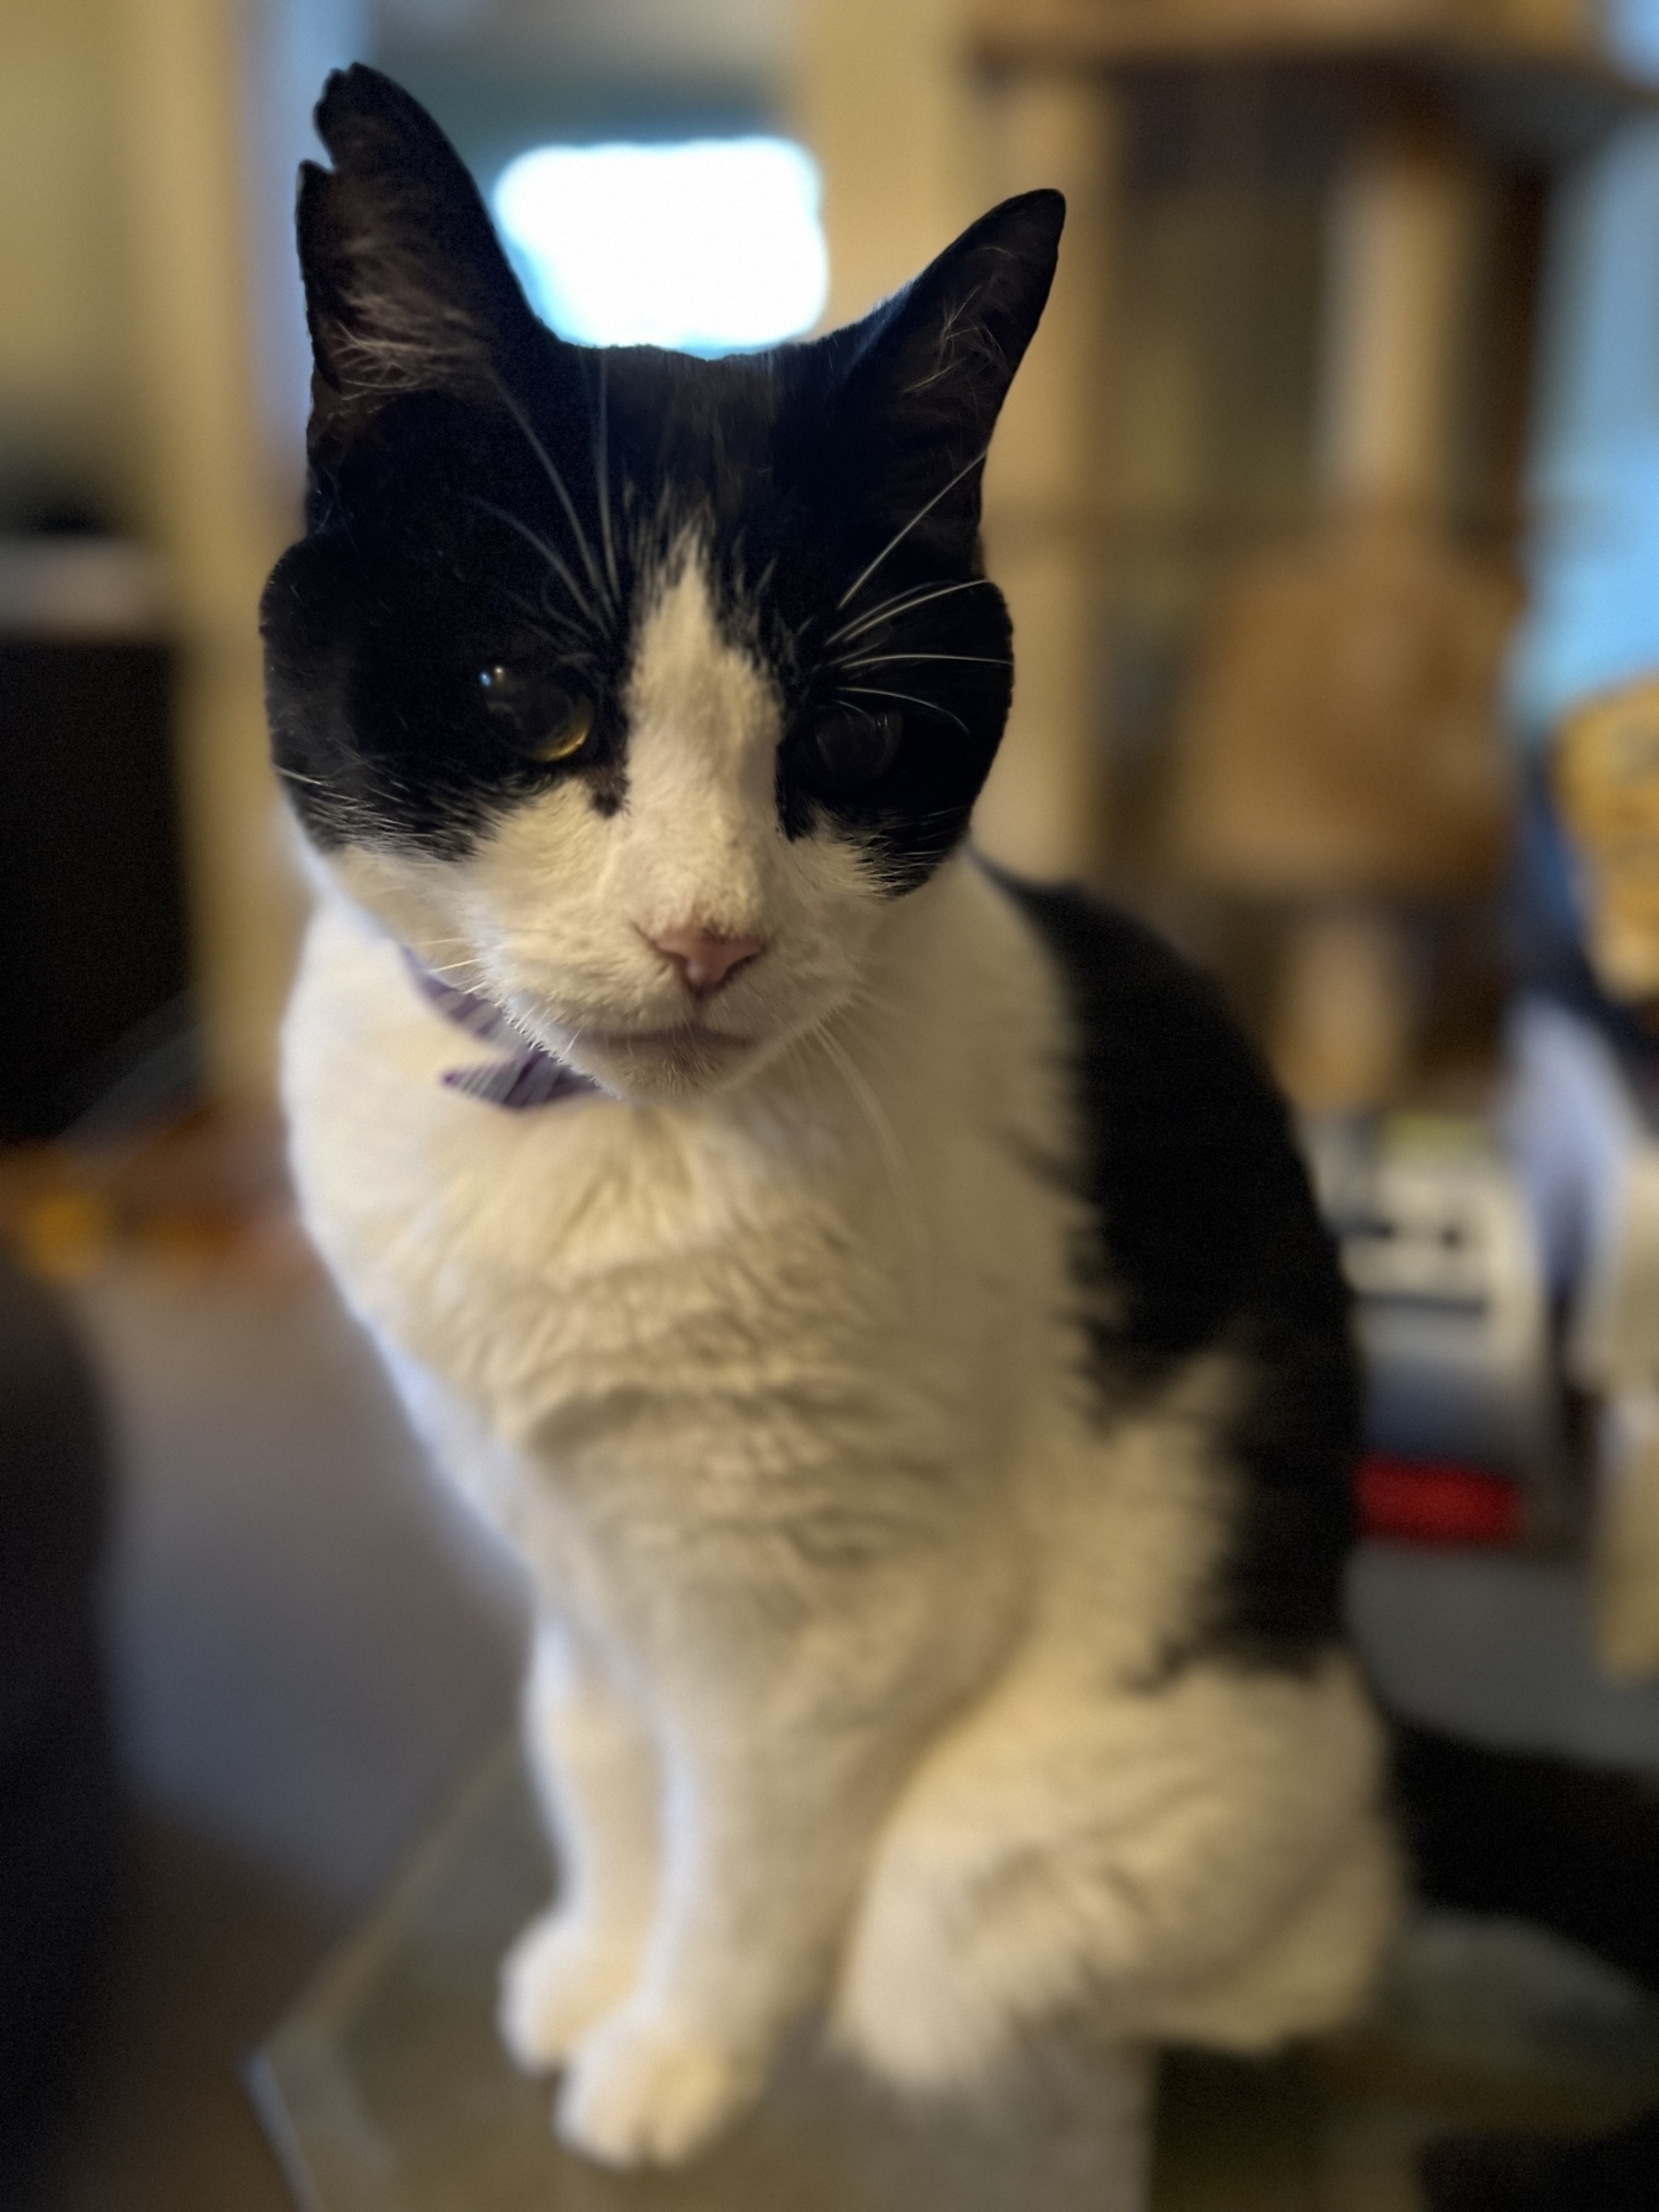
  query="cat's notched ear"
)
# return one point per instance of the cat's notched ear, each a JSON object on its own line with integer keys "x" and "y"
{"x": 939, "y": 356}
{"x": 405, "y": 286}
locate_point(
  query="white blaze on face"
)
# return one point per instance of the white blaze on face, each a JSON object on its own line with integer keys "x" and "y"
{"x": 702, "y": 844}
{"x": 556, "y": 912}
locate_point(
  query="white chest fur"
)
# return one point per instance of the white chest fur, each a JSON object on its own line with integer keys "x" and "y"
{"x": 851, "y": 1275}
{"x": 848, "y": 1686}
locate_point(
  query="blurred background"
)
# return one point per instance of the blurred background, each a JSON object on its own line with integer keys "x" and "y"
{"x": 1327, "y": 503}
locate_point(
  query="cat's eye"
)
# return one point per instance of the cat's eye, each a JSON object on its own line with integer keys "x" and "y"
{"x": 539, "y": 719}
{"x": 846, "y": 748}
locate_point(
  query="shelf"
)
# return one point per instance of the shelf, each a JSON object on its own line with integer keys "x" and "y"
{"x": 1549, "y": 94}
{"x": 387, "y": 2090}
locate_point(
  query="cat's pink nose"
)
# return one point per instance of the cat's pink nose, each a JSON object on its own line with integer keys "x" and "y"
{"x": 705, "y": 961}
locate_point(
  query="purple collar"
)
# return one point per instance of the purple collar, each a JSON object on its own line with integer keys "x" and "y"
{"x": 528, "y": 1077}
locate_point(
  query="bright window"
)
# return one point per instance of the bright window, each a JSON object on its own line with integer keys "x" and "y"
{"x": 711, "y": 246}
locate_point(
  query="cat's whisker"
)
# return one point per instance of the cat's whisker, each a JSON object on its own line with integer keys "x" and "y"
{"x": 568, "y": 626}
{"x": 865, "y": 993}
{"x": 540, "y": 611}
{"x": 560, "y": 629}
{"x": 899, "y": 536}
{"x": 883, "y": 660}
{"x": 602, "y": 473}
{"x": 557, "y": 482}
{"x": 549, "y": 554}
{"x": 909, "y": 698}
{"x": 448, "y": 971}
{"x": 901, "y": 602}
{"x": 900, "y": 1174}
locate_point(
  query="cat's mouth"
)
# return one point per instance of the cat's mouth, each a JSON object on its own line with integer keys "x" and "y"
{"x": 684, "y": 1039}
{"x": 686, "y": 1056}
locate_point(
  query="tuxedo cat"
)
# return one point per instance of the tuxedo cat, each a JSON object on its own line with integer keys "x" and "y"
{"x": 881, "y": 1305}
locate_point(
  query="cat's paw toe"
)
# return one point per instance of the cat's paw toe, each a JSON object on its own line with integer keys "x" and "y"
{"x": 558, "y": 1979}
{"x": 646, "y": 2091}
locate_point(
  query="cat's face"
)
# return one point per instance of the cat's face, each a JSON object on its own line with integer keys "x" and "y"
{"x": 628, "y": 690}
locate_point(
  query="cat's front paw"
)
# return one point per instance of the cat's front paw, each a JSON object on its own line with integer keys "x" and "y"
{"x": 646, "y": 2090}
{"x": 558, "y": 1982}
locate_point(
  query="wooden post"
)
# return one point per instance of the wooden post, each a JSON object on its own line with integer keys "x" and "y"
{"x": 1042, "y": 813}
{"x": 1401, "y": 250}
{"x": 211, "y": 507}
{"x": 892, "y": 111}
{"x": 1341, "y": 750}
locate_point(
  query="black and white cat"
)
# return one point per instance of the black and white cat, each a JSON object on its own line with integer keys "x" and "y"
{"x": 882, "y": 1306}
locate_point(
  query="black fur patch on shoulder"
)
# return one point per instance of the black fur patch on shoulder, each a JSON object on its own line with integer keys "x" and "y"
{"x": 1210, "y": 1236}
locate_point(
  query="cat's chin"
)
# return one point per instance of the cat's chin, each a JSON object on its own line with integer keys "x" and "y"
{"x": 659, "y": 1065}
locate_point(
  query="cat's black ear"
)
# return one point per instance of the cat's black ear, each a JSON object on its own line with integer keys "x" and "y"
{"x": 932, "y": 365}
{"x": 407, "y": 287}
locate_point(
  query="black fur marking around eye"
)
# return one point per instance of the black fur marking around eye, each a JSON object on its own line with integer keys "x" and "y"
{"x": 846, "y": 750}
{"x": 535, "y": 714}
{"x": 378, "y": 623}
{"x": 480, "y": 489}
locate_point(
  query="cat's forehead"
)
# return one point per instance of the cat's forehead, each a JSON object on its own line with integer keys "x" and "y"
{"x": 713, "y": 450}
{"x": 602, "y": 480}
{"x": 681, "y": 410}
{"x": 688, "y": 679}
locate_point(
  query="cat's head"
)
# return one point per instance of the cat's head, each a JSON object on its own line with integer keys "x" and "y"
{"x": 628, "y": 690}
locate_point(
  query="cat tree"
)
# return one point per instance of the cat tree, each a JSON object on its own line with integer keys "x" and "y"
{"x": 1337, "y": 758}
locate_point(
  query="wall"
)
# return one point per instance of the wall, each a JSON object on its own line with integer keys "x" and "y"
{"x": 66, "y": 412}
{"x": 144, "y": 309}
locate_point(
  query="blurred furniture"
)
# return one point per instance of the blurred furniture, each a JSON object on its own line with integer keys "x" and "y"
{"x": 1606, "y": 784}
{"x": 59, "y": 1814}
{"x": 1594, "y": 1122}
{"x": 311, "y": 1634}
{"x": 1451, "y": 1304}
{"x": 1583, "y": 1126}
{"x": 1303, "y": 543}
{"x": 1340, "y": 750}
{"x": 94, "y": 955}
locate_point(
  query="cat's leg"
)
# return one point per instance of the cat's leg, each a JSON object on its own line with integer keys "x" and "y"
{"x": 596, "y": 1774}
{"x": 773, "y": 1803}
{"x": 1310, "y": 1966}
{"x": 1208, "y": 1857}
